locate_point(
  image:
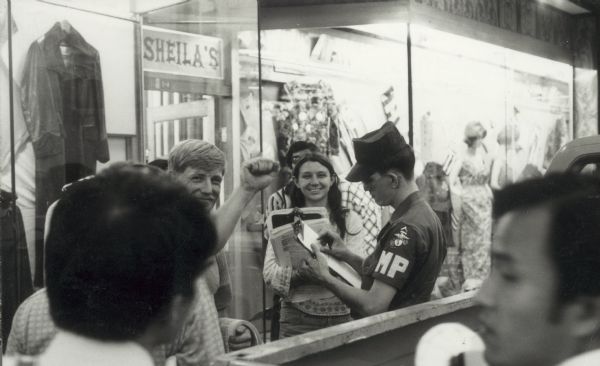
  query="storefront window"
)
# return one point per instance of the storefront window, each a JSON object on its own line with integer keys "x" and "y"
{"x": 485, "y": 116}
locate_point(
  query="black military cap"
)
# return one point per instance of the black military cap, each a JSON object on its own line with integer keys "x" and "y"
{"x": 375, "y": 150}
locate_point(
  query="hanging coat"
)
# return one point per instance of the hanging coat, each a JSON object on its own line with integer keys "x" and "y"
{"x": 63, "y": 105}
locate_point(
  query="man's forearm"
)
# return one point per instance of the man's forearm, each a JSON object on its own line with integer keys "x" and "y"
{"x": 228, "y": 215}
{"x": 357, "y": 299}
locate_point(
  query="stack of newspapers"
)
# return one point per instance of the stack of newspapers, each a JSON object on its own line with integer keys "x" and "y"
{"x": 292, "y": 233}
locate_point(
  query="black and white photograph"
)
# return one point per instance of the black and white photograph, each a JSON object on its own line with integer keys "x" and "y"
{"x": 300, "y": 182}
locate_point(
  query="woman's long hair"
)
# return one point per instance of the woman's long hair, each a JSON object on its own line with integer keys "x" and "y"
{"x": 334, "y": 196}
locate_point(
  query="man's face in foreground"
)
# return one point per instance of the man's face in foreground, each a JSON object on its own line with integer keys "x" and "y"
{"x": 204, "y": 185}
{"x": 521, "y": 324}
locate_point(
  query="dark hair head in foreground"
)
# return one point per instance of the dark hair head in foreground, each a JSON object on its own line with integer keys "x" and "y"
{"x": 121, "y": 247}
{"x": 573, "y": 230}
{"x": 541, "y": 303}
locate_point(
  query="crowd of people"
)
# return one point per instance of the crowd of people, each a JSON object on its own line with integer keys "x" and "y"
{"x": 136, "y": 274}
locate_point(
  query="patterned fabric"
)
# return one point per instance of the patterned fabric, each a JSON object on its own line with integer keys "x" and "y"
{"x": 32, "y": 328}
{"x": 310, "y": 115}
{"x": 198, "y": 343}
{"x": 356, "y": 199}
{"x": 278, "y": 201}
{"x": 332, "y": 306}
{"x": 475, "y": 225}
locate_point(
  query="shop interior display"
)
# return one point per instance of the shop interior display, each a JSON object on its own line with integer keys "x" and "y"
{"x": 308, "y": 113}
{"x": 526, "y": 119}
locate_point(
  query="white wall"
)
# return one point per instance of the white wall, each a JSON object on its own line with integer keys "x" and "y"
{"x": 114, "y": 40}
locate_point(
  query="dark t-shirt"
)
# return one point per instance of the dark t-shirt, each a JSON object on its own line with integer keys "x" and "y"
{"x": 410, "y": 251}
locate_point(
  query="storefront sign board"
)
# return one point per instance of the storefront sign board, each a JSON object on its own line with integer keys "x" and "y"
{"x": 180, "y": 53}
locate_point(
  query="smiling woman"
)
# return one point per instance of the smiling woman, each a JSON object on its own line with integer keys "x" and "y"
{"x": 314, "y": 181}
{"x": 306, "y": 305}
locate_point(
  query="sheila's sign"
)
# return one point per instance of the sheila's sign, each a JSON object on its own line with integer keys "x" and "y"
{"x": 182, "y": 53}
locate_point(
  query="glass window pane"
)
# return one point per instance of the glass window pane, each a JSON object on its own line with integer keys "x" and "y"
{"x": 327, "y": 86}
{"x": 197, "y": 87}
{"x": 485, "y": 116}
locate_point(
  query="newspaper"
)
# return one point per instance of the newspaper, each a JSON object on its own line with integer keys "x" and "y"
{"x": 292, "y": 233}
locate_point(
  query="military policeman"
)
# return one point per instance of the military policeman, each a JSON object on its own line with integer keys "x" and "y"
{"x": 411, "y": 246}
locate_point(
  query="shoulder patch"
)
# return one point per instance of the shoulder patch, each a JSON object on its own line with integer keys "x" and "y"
{"x": 400, "y": 238}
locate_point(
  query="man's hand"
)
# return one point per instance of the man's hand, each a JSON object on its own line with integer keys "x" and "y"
{"x": 258, "y": 173}
{"x": 332, "y": 244}
{"x": 315, "y": 270}
{"x": 242, "y": 339}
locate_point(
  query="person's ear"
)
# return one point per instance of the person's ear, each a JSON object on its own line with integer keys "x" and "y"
{"x": 397, "y": 179}
{"x": 582, "y": 316}
{"x": 295, "y": 181}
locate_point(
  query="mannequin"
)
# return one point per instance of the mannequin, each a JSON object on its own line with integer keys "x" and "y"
{"x": 472, "y": 205}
